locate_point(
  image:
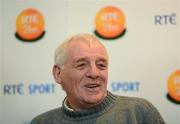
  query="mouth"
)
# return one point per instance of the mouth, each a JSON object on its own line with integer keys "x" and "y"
{"x": 92, "y": 87}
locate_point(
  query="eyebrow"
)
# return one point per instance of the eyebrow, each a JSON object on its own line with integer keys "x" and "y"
{"x": 103, "y": 59}
{"x": 86, "y": 59}
{"x": 80, "y": 59}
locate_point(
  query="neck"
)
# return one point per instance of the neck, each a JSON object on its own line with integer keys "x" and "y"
{"x": 107, "y": 102}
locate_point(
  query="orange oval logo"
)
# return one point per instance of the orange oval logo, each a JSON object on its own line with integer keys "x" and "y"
{"x": 30, "y": 24}
{"x": 174, "y": 85}
{"x": 110, "y": 22}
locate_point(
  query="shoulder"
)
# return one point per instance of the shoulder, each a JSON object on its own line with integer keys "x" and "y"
{"x": 48, "y": 117}
{"x": 141, "y": 108}
{"x": 135, "y": 102}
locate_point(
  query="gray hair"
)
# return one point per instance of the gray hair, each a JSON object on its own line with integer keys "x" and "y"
{"x": 60, "y": 52}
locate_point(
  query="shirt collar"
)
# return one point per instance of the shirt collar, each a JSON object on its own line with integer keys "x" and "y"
{"x": 66, "y": 105}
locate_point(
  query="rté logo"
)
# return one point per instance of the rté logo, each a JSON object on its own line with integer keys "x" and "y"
{"x": 166, "y": 19}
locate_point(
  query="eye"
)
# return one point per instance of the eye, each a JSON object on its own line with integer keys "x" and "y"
{"x": 81, "y": 65}
{"x": 102, "y": 65}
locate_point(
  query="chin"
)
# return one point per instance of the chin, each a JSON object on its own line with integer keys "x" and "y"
{"x": 95, "y": 98}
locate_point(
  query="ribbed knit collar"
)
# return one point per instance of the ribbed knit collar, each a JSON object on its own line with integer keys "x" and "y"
{"x": 94, "y": 111}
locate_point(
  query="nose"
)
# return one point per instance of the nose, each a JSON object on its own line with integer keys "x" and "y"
{"x": 93, "y": 72}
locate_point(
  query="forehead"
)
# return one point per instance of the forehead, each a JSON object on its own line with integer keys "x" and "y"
{"x": 78, "y": 49}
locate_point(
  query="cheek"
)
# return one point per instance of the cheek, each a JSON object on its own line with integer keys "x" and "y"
{"x": 105, "y": 75}
{"x": 72, "y": 78}
{"x": 67, "y": 79}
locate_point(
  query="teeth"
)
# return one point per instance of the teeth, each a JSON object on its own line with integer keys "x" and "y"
{"x": 92, "y": 86}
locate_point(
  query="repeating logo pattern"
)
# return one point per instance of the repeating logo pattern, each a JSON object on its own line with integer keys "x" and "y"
{"x": 110, "y": 23}
{"x": 30, "y": 25}
{"x": 173, "y": 86}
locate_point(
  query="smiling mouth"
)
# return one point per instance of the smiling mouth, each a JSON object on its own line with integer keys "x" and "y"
{"x": 92, "y": 86}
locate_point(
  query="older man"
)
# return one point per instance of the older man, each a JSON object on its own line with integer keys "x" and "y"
{"x": 81, "y": 67}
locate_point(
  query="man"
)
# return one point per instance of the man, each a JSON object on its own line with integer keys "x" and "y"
{"x": 81, "y": 67}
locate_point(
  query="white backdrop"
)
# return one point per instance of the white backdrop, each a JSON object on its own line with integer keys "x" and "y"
{"x": 147, "y": 54}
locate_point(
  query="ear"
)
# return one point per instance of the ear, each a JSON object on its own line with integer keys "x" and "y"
{"x": 56, "y": 73}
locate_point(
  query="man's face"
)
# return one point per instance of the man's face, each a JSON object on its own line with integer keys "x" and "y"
{"x": 85, "y": 73}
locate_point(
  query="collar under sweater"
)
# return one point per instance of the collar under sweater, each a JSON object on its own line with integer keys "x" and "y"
{"x": 94, "y": 111}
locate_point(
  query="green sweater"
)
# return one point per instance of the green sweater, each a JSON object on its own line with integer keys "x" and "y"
{"x": 113, "y": 110}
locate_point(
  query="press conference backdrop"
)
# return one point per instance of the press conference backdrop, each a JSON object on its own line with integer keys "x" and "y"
{"x": 142, "y": 39}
